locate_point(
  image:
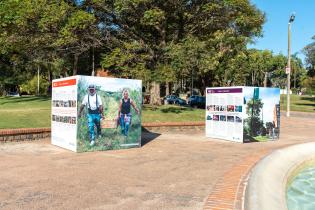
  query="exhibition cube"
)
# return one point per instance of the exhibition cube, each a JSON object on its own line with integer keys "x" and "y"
{"x": 96, "y": 113}
{"x": 243, "y": 114}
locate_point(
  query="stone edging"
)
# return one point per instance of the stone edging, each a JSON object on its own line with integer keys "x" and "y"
{"x": 268, "y": 181}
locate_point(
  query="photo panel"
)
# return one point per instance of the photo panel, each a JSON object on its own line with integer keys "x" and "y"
{"x": 120, "y": 101}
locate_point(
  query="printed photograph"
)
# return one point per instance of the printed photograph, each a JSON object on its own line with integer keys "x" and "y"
{"x": 216, "y": 117}
{"x": 222, "y": 118}
{"x": 222, "y": 108}
{"x": 73, "y": 120}
{"x": 230, "y": 108}
{"x": 109, "y": 113}
{"x": 230, "y": 118}
{"x": 238, "y": 108}
{"x": 209, "y": 117}
{"x": 262, "y": 117}
{"x": 238, "y": 119}
{"x": 210, "y": 108}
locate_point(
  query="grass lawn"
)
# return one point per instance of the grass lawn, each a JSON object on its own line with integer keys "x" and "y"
{"x": 298, "y": 103}
{"x": 24, "y": 112}
{"x": 172, "y": 113}
{"x": 32, "y": 112}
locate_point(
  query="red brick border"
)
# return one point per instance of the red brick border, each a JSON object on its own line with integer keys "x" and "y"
{"x": 4, "y": 132}
{"x": 228, "y": 193}
{"x": 22, "y": 134}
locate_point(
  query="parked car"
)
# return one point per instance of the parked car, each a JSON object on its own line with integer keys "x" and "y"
{"x": 197, "y": 101}
{"x": 173, "y": 99}
{"x": 180, "y": 102}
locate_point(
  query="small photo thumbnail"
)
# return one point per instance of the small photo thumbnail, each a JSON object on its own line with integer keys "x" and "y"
{"x": 238, "y": 108}
{"x": 216, "y": 117}
{"x": 222, "y": 118}
{"x": 238, "y": 119}
{"x": 230, "y": 118}
{"x": 230, "y": 108}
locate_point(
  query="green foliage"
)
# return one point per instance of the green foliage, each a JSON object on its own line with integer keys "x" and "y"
{"x": 128, "y": 60}
{"x": 30, "y": 87}
{"x": 253, "y": 124}
{"x": 309, "y": 51}
{"x": 153, "y": 17}
{"x": 171, "y": 40}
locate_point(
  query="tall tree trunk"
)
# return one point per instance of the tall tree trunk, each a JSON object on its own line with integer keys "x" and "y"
{"x": 155, "y": 94}
{"x": 265, "y": 80}
{"x": 75, "y": 64}
{"x": 167, "y": 86}
{"x": 203, "y": 89}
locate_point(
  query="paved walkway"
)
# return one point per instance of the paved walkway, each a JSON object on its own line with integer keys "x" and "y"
{"x": 175, "y": 169}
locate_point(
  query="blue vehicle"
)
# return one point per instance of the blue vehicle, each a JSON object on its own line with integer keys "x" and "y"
{"x": 197, "y": 101}
{"x": 173, "y": 99}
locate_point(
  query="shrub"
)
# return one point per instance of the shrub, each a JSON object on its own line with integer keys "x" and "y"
{"x": 30, "y": 87}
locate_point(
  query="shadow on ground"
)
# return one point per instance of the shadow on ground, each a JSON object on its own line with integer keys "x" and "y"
{"x": 304, "y": 104}
{"x": 175, "y": 109}
{"x": 308, "y": 98}
{"x": 249, "y": 139}
{"x": 148, "y": 136}
{"x": 23, "y": 99}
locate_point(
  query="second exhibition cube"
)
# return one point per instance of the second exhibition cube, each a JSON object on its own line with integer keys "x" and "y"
{"x": 243, "y": 114}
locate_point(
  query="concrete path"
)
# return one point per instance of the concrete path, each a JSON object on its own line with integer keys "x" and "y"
{"x": 175, "y": 169}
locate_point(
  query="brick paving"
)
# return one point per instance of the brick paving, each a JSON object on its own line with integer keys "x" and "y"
{"x": 176, "y": 168}
{"x": 229, "y": 191}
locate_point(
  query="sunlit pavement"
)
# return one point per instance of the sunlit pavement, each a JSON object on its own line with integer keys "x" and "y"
{"x": 176, "y": 168}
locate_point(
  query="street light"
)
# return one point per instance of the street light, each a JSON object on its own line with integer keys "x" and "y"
{"x": 288, "y": 70}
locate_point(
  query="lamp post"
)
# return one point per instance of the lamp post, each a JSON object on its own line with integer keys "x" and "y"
{"x": 292, "y": 17}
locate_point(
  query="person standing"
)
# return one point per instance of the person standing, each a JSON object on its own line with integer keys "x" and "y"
{"x": 95, "y": 112}
{"x": 124, "y": 114}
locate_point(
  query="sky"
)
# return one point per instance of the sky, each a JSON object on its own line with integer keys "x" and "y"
{"x": 275, "y": 29}
{"x": 269, "y": 97}
{"x": 112, "y": 84}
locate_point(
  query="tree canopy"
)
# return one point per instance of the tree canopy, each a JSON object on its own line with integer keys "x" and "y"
{"x": 192, "y": 43}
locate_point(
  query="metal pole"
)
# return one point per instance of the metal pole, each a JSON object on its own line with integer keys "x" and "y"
{"x": 37, "y": 80}
{"x": 93, "y": 71}
{"x": 192, "y": 82}
{"x": 289, "y": 71}
{"x": 294, "y": 77}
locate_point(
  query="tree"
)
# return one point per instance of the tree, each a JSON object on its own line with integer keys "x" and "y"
{"x": 309, "y": 79}
{"x": 212, "y": 29}
{"x": 254, "y": 124}
{"x": 46, "y": 33}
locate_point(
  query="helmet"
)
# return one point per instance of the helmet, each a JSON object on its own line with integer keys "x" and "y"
{"x": 92, "y": 89}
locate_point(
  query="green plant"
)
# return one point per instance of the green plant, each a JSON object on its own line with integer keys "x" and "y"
{"x": 30, "y": 87}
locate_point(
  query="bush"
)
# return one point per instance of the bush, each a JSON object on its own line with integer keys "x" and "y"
{"x": 30, "y": 87}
